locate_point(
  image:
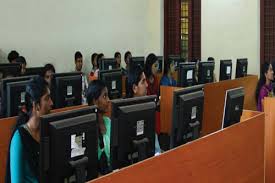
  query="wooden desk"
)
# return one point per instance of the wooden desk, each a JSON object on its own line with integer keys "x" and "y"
{"x": 235, "y": 154}
{"x": 6, "y": 128}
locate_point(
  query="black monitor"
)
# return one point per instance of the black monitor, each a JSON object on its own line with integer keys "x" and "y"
{"x": 233, "y": 108}
{"x": 45, "y": 136}
{"x": 113, "y": 80}
{"x": 160, "y": 60}
{"x": 176, "y": 59}
{"x": 241, "y": 67}
{"x": 107, "y": 64}
{"x": 12, "y": 95}
{"x": 133, "y": 130}
{"x": 10, "y": 70}
{"x": 186, "y": 74}
{"x": 206, "y": 72}
{"x": 34, "y": 71}
{"x": 187, "y": 115}
{"x": 71, "y": 152}
{"x": 66, "y": 89}
{"x": 225, "y": 70}
{"x": 137, "y": 61}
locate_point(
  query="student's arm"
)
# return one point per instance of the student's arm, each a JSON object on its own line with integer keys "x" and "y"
{"x": 16, "y": 158}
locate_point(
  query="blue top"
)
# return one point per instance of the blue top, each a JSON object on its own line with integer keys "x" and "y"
{"x": 166, "y": 81}
{"x": 19, "y": 167}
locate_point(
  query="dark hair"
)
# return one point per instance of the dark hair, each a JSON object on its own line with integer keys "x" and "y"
{"x": 150, "y": 60}
{"x": 99, "y": 58}
{"x": 167, "y": 66}
{"x": 13, "y": 55}
{"x": 77, "y": 55}
{"x": 21, "y": 60}
{"x": 210, "y": 59}
{"x": 117, "y": 54}
{"x": 48, "y": 67}
{"x": 262, "y": 80}
{"x": 127, "y": 54}
{"x": 94, "y": 90}
{"x": 134, "y": 76}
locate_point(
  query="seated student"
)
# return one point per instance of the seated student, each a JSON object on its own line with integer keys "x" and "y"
{"x": 127, "y": 58}
{"x": 151, "y": 69}
{"x": 23, "y": 64}
{"x": 97, "y": 94}
{"x": 48, "y": 72}
{"x": 23, "y": 156}
{"x": 169, "y": 69}
{"x": 264, "y": 87}
{"x": 138, "y": 87}
{"x": 212, "y": 60}
{"x": 118, "y": 59}
{"x": 12, "y": 56}
{"x": 78, "y": 59}
{"x": 94, "y": 72}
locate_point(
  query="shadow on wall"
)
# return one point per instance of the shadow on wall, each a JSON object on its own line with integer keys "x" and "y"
{"x": 3, "y": 57}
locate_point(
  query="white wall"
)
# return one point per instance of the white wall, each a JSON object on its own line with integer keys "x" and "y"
{"x": 51, "y": 31}
{"x": 231, "y": 29}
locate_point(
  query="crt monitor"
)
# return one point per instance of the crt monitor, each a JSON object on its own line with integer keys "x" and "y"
{"x": 34, "y": 71}
{"x": 233, "y": 107}
{"x": 160, "y": 61}
{"x": 71, "y": 152}
{"x": 176, "y": 59}
{"x": 137, "y": 61}
{"x": 206, "y": 72}
{"x": 44, "y": 136}
{"x": 113, "y": 80}
{"x": 225, "y": 69}
{"x": 107, "y": 64}
{"x": 10, "y": 70}
{"x": 66, "y": 89}
{"x": 241, "y": 67}
{"x": 132, "y": 130}
{"x": 186, "y": 74}
{"x": 12, "y": 97}
{"x": 187, "y": 115}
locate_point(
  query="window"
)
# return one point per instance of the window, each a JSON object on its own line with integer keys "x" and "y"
{"x": 184, "y": 28}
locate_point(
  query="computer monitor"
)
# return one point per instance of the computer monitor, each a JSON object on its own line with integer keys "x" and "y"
{"x": 132, "y": 130}
{"x": 34, "y": 71}
{"x": 113, "y": 80}
{"x": 186, "y": 74}
{"x": 233, "y": 106}
{"x": 176, "y": 59}
{"x": 72, "y": 149}
{"x": 160, "y": 60}
{"x": 45, "y": 134}
{"x": 107, "y": 64}
{"x": 241, "y": 67}
{"x": 137, "y": 61}
{"x": 206, "y": 72}
{"x": 225, "y": 69}
{"x": 10, "y": 70}
{"x": 187, "y": 115}
{"x": 12, "y": 95}
{"x": 66, "y": 89}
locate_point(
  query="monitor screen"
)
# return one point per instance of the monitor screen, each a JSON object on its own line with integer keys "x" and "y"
{"x": 107, "y": 64}
{"x": 66, "y": 89}
{"x": 160, "y": 61}
{"x": 11, "y": 96}
{"x": 241, "y": 67}
{"x": 233, "y": 107}
{"x": 113, "y": 80}
{"x": 187, "y": 114}
{"x": 10, "y": 70}
{"x": 44, "y": 135}
{"x": 34, "y": 71}
{"x": 137, "y": 61}
{"x": 186, "y": 75}
{"x": 133, "y": 130}
{"x": 206, "y": 72}
{"x": 72, "y": 149}
{"x": 225, "y": 69}
{"x": 176, "y": 59}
